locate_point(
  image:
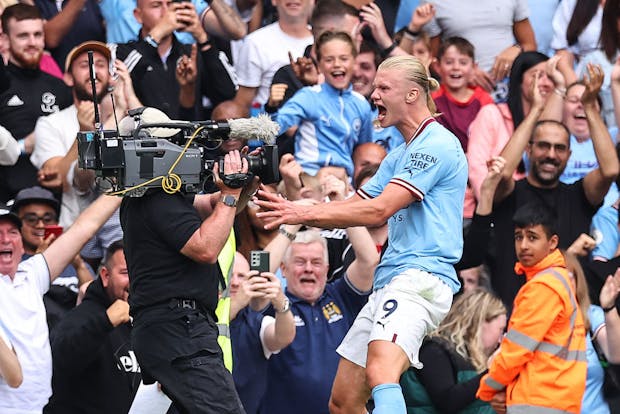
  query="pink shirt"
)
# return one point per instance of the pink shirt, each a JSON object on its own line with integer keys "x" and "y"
{"x": 488, "y": 134}
{"x": 49, "y": 65}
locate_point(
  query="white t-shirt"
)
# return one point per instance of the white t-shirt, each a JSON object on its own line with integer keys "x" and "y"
{"x": 262, "y": 53}
{"x": 9, "y": 149}
{"x": 487, "y": 24}
{"x": 54, "y": 136}
{"x": 587, "y": 41}
{"x": 23, "y": 313}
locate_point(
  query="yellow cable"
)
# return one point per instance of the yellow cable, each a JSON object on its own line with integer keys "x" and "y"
{"x": 171, "y": 182}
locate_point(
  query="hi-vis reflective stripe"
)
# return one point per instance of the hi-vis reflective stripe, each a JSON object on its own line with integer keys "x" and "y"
{"x": 225, "y": 261}
{"x": 533, "y": 409}
{"x": 494, "y": 384}
{"x": 223, "y": 330}
{"x": 559, "y": 351}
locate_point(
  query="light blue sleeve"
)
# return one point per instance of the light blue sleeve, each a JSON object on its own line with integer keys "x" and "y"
{"x": 366, "y": 131}
{"x": 605, "y": 229}
{"x": 294, "y": 111}
{"x": 596, "y": 316}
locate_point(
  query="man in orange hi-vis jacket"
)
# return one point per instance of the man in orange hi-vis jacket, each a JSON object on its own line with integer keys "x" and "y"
{"x": 541, "y": 363}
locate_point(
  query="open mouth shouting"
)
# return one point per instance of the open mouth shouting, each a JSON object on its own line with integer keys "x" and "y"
{"x": 382, "y": 111}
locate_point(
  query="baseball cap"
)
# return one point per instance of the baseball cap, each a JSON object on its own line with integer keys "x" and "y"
{"x": 93, "y": 45}
{"x": 34, "y": 194}
{"x": 5, "y": 214}
{"x": 149, "y": 116}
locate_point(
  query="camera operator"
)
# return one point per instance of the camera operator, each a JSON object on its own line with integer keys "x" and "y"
{"x": 172, "y": 244}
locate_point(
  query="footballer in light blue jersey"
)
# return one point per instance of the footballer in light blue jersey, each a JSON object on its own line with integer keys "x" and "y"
{"x": 425, "y": 235}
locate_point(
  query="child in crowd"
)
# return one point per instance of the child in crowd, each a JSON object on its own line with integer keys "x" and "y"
{"x": 457, "y": 101}
{"x": 330, "y": 118}
{"x": 541, "y": 365}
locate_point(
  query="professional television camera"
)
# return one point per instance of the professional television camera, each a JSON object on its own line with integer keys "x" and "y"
{"x": 151, "y": 151}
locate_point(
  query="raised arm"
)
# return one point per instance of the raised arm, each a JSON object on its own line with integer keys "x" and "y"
{"x": 361, "y": 271}
{"x": 555, "y": 101}
{"x": 608, "y": 299}
{"x": 513, "y": 151}
{"x": 597, "y": 182}
{"x": 222, "y": 20}
{"x": 62, "y": 251}
{"x": 282, "y": 332}
{"x": 207, "y": 241}
{"x": 58, "y": 26}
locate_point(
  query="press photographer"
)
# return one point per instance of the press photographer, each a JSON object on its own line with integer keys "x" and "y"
{"x": 172, "y": 240}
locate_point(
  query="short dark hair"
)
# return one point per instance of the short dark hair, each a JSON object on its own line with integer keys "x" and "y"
{"x": 542, "y": 122}
{"x": 329, "y": 8}
{"x": 366, "y": 172}
{"x": 19, "y": 12}
{"x": 370, "y": 47}
{"x": 534, "y": 214}
{"x": 461, "y": 44}
{"x": 111, "y": 250}
{"x": 328, "y": 36}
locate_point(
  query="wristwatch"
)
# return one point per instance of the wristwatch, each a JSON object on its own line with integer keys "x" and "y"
{"x": 229, "y": 200}
{"x": 149, "y": 39}
{"x": 286, "y": 306}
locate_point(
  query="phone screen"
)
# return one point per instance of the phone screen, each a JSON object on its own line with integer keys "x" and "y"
{"x": 52, "y": 229}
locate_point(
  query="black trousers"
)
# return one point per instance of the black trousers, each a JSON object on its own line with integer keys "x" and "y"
{"x": 178, "y": 348}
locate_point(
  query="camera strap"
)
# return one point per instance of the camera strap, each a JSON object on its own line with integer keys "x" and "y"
{"x": 236, "y": 180}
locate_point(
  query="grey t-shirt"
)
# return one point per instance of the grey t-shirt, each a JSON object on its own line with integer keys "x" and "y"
{"x": 487, "y": 24}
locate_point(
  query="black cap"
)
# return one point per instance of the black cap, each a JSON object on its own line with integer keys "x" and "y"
{"x": 35, "y": 194}
{"x": 5, "y": 214}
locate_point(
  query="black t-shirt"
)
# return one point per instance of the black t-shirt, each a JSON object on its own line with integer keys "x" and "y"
{"x": 155, "y": 81}
{"x": 156, "y": 227}
{"x": 29, "y": 94}
{"x": 574, "y": 214}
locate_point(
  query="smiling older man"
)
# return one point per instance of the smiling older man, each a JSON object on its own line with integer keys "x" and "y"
{"x": 22, "y": 285}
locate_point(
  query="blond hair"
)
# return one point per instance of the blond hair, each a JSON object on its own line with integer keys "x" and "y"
{"x": 414, "y": 71}
{"x": 462, "y": 325}
{"x": 581, "y": 286}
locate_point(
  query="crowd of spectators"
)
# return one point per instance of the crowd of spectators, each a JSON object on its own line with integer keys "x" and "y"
{"x": 533, "y": 101}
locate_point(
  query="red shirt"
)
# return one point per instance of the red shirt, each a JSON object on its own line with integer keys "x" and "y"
{"x": 455, "y": 115}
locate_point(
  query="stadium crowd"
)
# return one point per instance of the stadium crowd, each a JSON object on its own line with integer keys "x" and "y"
{"x": 444, "y": 236}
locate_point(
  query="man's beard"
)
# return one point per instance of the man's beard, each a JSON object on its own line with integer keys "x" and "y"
{"x": 83, "y": 93}
{"x": 547, "y": 180}
{"x": 27, "y": 62}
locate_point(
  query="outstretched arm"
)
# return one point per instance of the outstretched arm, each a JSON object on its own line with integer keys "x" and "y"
{"x": 62, "y": 251}
{"x": 597, "y": 182}
{"x": 513, "y": 151}
{"x": 220, "y": 19}
{"x": 337, "y": 214}
{"x": 610, "y": 342}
